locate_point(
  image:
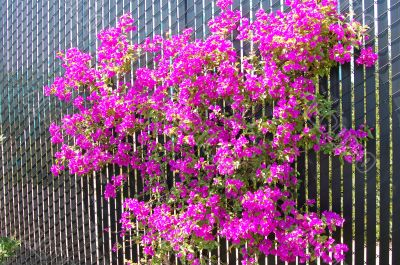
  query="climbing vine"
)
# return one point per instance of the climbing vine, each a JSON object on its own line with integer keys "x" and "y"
{"x": 214, "y": 135}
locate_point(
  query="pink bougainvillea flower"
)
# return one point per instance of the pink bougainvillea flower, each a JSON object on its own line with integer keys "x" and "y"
{"x": 207, "y": 135}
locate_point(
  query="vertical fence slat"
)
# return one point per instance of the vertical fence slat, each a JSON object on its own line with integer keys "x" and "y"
{"x": 395, "y": 45}
{"x": 361, "y": 168}
{"x": 371, "y": 174}
{"x": 312, "y": 178}
{"x": 346, "y": 122}
{"x": 371, "y": 145}
{"x": 311, "y": 183}
{"x": 384, "y": 124}
{"x": 347, "y": 168}
{"x": 324, "y": 190}
{"x": 3, "y": 104}
{"x": 335, "y": 164}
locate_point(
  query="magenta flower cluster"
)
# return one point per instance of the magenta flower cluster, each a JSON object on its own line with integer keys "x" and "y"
{"x": 214, "y": 136}
{"x": 367, "y": 57}
{"x": 350, "y": 147}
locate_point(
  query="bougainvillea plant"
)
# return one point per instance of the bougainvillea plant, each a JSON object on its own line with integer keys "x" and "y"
{"x": 199, "y": 114}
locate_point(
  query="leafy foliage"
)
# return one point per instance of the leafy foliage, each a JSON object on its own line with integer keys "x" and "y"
{"x": 200, "y": 114}
{"x": 7, "y": 247}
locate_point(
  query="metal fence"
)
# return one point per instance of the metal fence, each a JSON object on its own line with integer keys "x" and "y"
{"x": 63, "y": 220}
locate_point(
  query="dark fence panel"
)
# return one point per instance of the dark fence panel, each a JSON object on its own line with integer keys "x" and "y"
{"x": 63, "y": 220}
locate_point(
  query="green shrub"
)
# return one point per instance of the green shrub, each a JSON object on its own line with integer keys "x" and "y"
{"x": 7, "y": 247}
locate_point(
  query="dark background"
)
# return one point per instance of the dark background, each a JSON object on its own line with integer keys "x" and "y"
{"x": 62, "y": 220}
